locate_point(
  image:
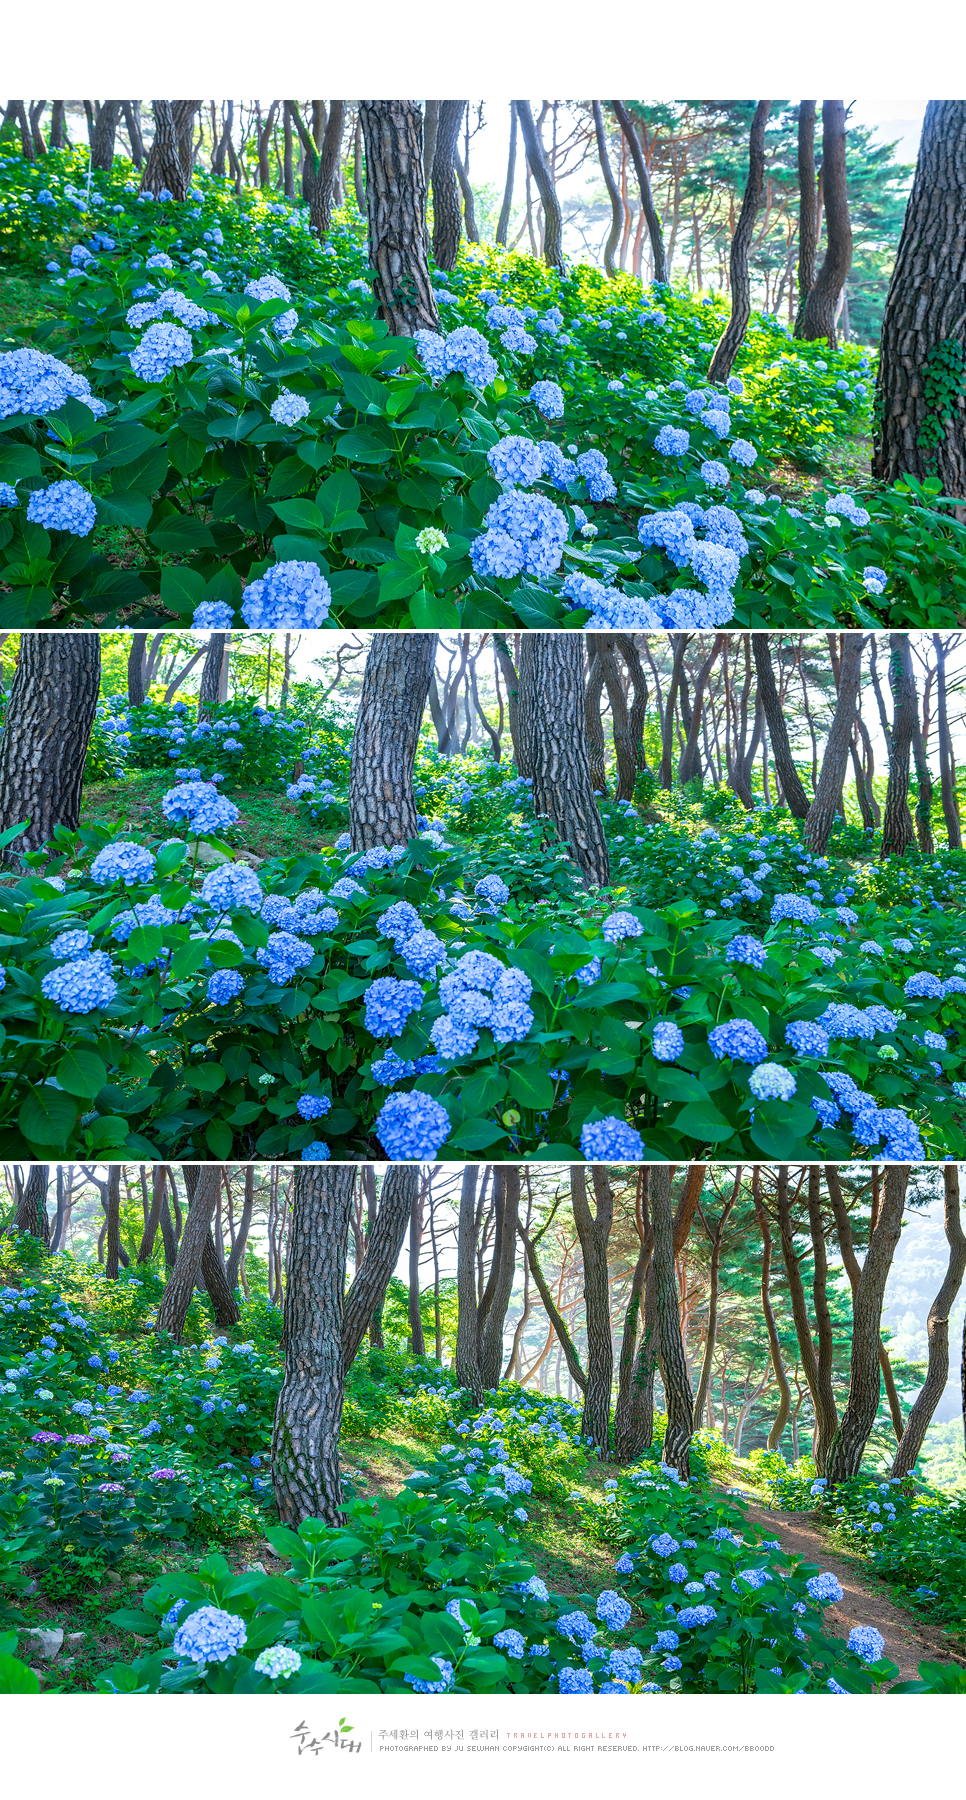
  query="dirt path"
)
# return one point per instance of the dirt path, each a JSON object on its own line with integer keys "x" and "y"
{"x": 909, "y": 1641}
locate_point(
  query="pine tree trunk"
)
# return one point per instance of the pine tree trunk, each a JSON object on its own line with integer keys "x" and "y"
{"x": 31, "y": 1214}
{"x": 466, "y": 1361}
{"x": 552, "y": 676}
{"x": 503, "y": 223}
{"x": 400, "y": 1189}
{"x": 552, "y": 1311}
{"x": 215, "y": 1277}
{"x": 398, "y": 671}
{"x": 826, "y": 1412}
{"x": 674, "y": 1367}
{"x": 210, "y": 687}
{"x": 165, "y": 166}
{"x": 469, "y": 201}
{"x": 654, "y": 231}
{"x": 540, "y": 169}
{"x": 236, "y": 1258}
{"x": 768, "y": 1314}
{"x": 689, "y": 768}
{"x": 491, "y": 1317}
{"x": 306, "y": 1471}
{"x": 430, "y": 128}
{"x": 113, "y": 1261}
{"x": 135, "y": 669}
{"x": 898, "y": 833}
{"x": 947, "y": 780}
{"x": 417, "y": 1342}
{"x": 792, "y": 789}
{"x": 446, "y": 199}
{"x": 105, "y": 132}
{"x": 818, "y": 315}
{"x": 593, "y": 721}
{"x": 44, "y": 743}
{"x": 821, "y": 813}
{"x": 628, "y": 1350}
{"x": 180, "y": 1285}
{"x": 614, "y": 193}
{"x": 803, "y": 1331}
{"x": 850, "y": 1263}
{"x": 937, "y": 1332}
{"x": 159, "y": 1177}
{"x": 848, "y": 1445}
{"x": 594, "y": 1232}
{"x": 396, "y": 203}
{"x": 920, "y": 404}
{"x": 707, "y": 1361}
{"x": 733, "y": 335}
{"x": 329, "y": 162}
{"x": 807, "y": 207}
{"x": 58, "y": 126}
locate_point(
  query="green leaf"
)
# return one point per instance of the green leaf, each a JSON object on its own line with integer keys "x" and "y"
{"x": 207, "y": 1078}
{"x": 703, "y": 1122}
{"x": 124, "y": 509}
{"x": 477, "y": 1134}
{"x": 17, "y": 1678}
{"x": 218, "y": 1137}
{"x": 126, "y": 1619}
{"x": 180, "y": 534}
{"x": 303, "y": 514}
{"x": 363, "y": 444}
{"x": 182, "y": 590}
{"x": 531, "y": 1087}
{"x": 82, "y": 1073}
{"x": 433, "y": 612}
{"x": 48, "y": 1117}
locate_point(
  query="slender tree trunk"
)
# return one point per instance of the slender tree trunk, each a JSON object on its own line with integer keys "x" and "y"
{"x": 237, "y": 1256}
{"x": 818, "y": 314}
{"x": 594, "y": 1231}
{"x": 947, "y": 779}
{"x": 898, "y": 832}
{"x": 135, "y": 669}
{"x": 159, "y": 1177}
{"x": 492, "y": 1313}
{"x": 503, "y": 223}
{"x": 417, "y": 1343}
{"x": 540, "y": 169}
{"x": 850, "y": 1263}
{"x": 58, "y": 127}
{"x": 113, "y": 1259}
{"x": 792, "y": 789}
{"x": 632, "y": 1319}
{"x": 821, "y": 813}
{"x": 467, "y": 1363}
{"x": 807, "y": 207}
{"x": 323, "y": 193}
{"x": 551, "y": 668}
{"x": 398, "y": 670}
{"x": 430, "y": 128}
{"x": 937, "y": 1332}
{"x": 614, "y": 193}
{"x": 174, "y": 1303}
{"x": 717, "y": 1244}
{"x": 826, "y": 1412}
{"x": 46, "y": 731}
{"x": 733, "y": 335}
{"x": 446, "y": 199}
{"x": 105, "y": 132}
{"x": 396, "y": 203}
{"x": 768, "y": 1314}
{"x": 31, "y": 1213}
{"x": 689, "y": 767}
{"x": 674, "y": 1366}
{"x": 306, "y": 1472}
{"x": 363, "y": 1302}
{"x": 552, "y": 1311}
{"x": 848, "y": 1445}
{"x": 654, "y": 230}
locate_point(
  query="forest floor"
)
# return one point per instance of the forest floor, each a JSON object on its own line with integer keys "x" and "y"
{"x": 270, "y": 824}
{"x": 867, "y": 1600}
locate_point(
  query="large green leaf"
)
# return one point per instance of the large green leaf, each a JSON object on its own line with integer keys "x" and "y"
{"x": 82, "y": 1072}
{"x": 47, "y": 1117}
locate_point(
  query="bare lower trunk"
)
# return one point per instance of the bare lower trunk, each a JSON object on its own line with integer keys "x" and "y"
{"x": 818, "y": 315}
{"x": 540, "y": 169}
{"x": 45, "y": 736}
{"x": 551, "y": 668}
{"x": 396, "y": 205}
{"x": 467, "y": 1362}
{"x": 848, "y": 1445}
{"x": 654, "y": 230}
{"x": 674, "y": 1366}
{"x": 176, "y": 1299}
{"x": 398, "y": 670}
{"x": 446, "y": 199}
{"x": 734, "y": 332}
{"x": 821, "y": 813}
{"x": 937, "y": 1332}
{"x": 594, "y": 1230}
{"x": 795, "y": 796}
{"x": 387, "y": 1232}
{"x": 807, "y": 207}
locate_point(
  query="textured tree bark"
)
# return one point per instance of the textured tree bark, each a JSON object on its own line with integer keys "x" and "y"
{"x": 680, "y": 641}
{"x": 210, "y": 689}
{"x": 614, "y": 193}
{"x": 921, "y": 432}
{"x": 491, "y": 1318}
{"x": 324, "y": 190}
{"x": 503, "y": 223}
{"x": 31, "y": 1213}
{"x": 733, "y": 335}
{"x": 396, "y": 204}
{"x": 654, "y": 231}
{"x": 466, "y": 1361}
{"x": 826, "y": 1412}
{"x": 593, "y": 721}
{"x": 430, "y": 127}
{"x": 689, "y": 767}
{"x": 552, "y": 676}
{"x": 469, "y": 201}
{"x": 821, "y": 813}
{"x": 674, "y": 1367}
{"x": 446, "y": 199}
{"x": 306, "y": 1472}
{"x": 44, "y": 743}
{"x": 105, "y": 132}
{"x": 552, "y": 1311}
{"x": 58, "y": 126}
{"x": 180, "y": 1285}
{"x": 593, "y": 1230}
{"x": 113, "y": 1261}
{"x": 768, "y": 1314}
{"x": 898, "y": 833}
{"x": 632, "y": 1320}
{"x": 215, "y": 1278}
{"x": 398, "y": 670}
{"x": 628, "y": 728}
{"x": 501, "y": 651}
{"x": 540, "y": 169}
{"x": 166, "y": 165}
{"x": 795, "y": 795}
{"x": 818, "y": 314}
{"x": 159, "y": 1177}
{"x": 135, "y": 668}
{"x": 807, "y": 207}
{"x": 850, "y": 1263}
{"x": 417, "y": 1343}
{"x": 848, "y": 1445}
{"x": 796, "y": 1289}
{"x": 400, "y": 1191}
{"x": 947, "y": 778}
{"x": 937, "y": 1331}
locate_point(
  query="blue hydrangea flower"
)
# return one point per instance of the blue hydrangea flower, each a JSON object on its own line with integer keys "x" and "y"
{"x": 691, "y": 1617}
{"x": 225, "y": 985}
{"x": 388, "y": 1004}
{"x": 621, "y": 925}
{"x": 770, "y": 1081}
{"x": 64, "y": 506}
{"x": 668, "y": 1041}
{"x": 232, "y": 886}
{"x": 612, "y": 1611}
{"x": 278, "y": 1663}
{"x": 412, "y": 1127}
{"x": 33, "y": 383}
{"x": 81, "y": 986}
{"x": 290, "y": 595}
{"x": 824, "y": 1588}
{"x": 610, "y": 1140}
{"x": 313, "y": 1106}
{"x": 523, "y": 532}
{"x": 492, "y": 888}
{"x": 923, "y": 986}
{"x": 748, "y": 950}
{"x": 548, "y": 398}
{"x": 464, "y": 351}
{"x": 866, "y": 1642}
{"x": 743, "y": 453}
{"x": 576, "y": 1626}
{"x": 513, "y": 1642}
{"x": 671, "y": 441}
{"x": 576, "y": 1681}
{"x": 715, "y": 474}
{"x": 212, "y": 615}
{"x": 423, "y": 952}
{"x": 738, "y": 1038}
{"x": 289, "y": 408}
{"x": 210, "y": 1635}
{"x": 516, "y": 460}
{"x": 441, "y": 1686}
{"x": 283, "y": 955}
{"x": 200, "y": 806}
{"x": 163, "y": 348}
{"x": 316, "y": 1152}
{"x": 592, "y": 465}
{"x": 794, "y": 906}
{"x": 70, "y": 943}
{"x": 807, "y": 1038}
